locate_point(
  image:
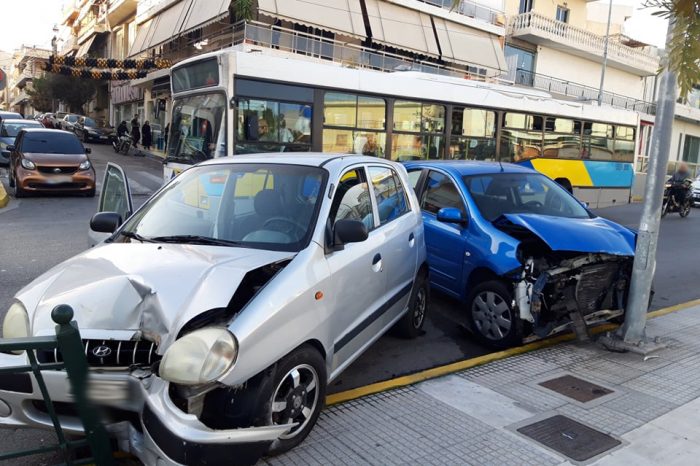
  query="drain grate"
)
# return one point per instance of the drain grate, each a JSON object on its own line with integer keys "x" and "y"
{"x": 570, "y": 438}
{"x": 575, "y": 388}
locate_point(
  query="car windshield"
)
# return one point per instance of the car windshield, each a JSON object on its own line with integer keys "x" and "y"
{"x": 60, "y": 115}
{"x": 516, "y": 193}
{"x": 197, "y": 131}
{"x": 11, "y": 128}
{"x": 72, "y": 118}
{"x": 264, "y": 206}
{"x": 53, "y": 142}
{"x": 94, "y": 123}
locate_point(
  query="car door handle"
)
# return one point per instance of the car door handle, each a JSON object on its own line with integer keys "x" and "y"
{"x": 411, "y": 240}
{"x": 377, "y": 263}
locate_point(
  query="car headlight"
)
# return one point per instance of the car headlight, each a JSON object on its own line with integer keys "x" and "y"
{"x": 199, "y": 357}
{"x": 16, "y": 323}
{"x": 85, "y": 165}
{"x": 28, "y": 164}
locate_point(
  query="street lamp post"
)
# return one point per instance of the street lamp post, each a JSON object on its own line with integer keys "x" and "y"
{"x": 605, "y": 55}
{"x": 54, "y": 47}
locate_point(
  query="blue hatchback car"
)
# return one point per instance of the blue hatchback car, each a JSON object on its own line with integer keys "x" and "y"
{"x": 523, "y": 255}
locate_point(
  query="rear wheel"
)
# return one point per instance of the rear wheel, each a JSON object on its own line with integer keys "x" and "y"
{"x": 298, "y": 396}
{"x": 492, "y": 317}
{"x": 411, "y": 324}
{"x": 685, "y": 208}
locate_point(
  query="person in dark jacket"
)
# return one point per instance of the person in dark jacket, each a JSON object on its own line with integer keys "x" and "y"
{"x": 146, "y": 135}
{"x": 122, "y": 129}
{"x": 135, "y": 131}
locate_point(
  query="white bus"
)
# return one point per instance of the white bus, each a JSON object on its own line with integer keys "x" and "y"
{"x": 247, "y": 100}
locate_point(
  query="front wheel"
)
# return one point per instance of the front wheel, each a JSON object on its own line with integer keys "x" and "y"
{"x": 492, "y": 317}
{"x": 18, "y": 191}
{"x": 298, "y": 396}
{"x": 685, "y": 208}
{"x": 411, "y": 324}
{"x": 664, "y": 208}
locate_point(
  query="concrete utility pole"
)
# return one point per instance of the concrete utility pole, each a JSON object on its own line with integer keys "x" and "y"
{"x": 631, "y": 336}
{"x": 605, "y": 55}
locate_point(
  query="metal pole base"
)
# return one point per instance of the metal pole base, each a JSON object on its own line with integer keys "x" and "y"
{"x": 613, "y": 342}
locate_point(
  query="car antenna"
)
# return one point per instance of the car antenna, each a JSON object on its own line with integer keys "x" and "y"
{"x": 500, "y": 164}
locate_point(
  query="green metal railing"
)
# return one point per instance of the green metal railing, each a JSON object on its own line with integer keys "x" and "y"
{"x": 68, "y": 342}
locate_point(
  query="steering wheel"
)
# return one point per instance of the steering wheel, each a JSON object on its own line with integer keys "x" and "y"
{"x": 534, "y": 204}
{"x": 289, "y": 226}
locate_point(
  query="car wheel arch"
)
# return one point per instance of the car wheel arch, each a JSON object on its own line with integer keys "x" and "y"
{"x": 480, "y": 275}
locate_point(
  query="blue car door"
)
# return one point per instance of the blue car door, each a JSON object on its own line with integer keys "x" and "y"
{"x": 445, "y": 242}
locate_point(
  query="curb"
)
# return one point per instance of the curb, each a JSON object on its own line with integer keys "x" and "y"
{"x": 4, "y": 197}
{"x": 458, "y": 366}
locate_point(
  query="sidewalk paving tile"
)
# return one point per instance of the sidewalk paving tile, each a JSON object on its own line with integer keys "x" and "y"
{"x": 640, "y": 405}
{"x": 602, "y": 418}
{"x": 604, "y": 370}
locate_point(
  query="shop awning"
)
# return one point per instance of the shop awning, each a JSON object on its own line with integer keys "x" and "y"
{"x": 85, "y": 46}
{"x": 340, "y": 16}
{"x": 203, "y": 12}
{"x": 161, "y": 28}
{"x": 400, "y": 27}
{"x": 469, "y": 46}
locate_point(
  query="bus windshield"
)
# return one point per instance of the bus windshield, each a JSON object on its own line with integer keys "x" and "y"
{"x": 198, "y": 131}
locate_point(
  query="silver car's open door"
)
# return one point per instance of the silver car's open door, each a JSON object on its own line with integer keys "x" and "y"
{"x": 115, "y": 196}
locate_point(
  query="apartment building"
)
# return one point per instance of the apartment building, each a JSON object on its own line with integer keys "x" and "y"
{"x": 27, "y": 64}
{"x": 6, "y": 68}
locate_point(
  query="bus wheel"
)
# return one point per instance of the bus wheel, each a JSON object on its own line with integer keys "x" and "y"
{"x": 565, "y": 183}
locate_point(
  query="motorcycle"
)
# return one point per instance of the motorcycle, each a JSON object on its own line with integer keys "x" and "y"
{"x": 122, "y": 144}
{"x": 674, "y": 191}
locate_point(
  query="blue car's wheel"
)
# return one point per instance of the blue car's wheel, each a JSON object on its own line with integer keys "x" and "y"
{"x": 492, "y": 317}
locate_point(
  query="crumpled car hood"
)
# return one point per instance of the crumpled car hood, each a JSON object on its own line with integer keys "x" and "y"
{"x": 587, "y": 235}
{"x": 153, "y": 288}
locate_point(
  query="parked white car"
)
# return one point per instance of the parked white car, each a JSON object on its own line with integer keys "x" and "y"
{"x": 222, "y": 308}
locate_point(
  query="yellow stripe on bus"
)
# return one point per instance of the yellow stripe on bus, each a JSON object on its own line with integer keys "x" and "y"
{"x": 574, "y": 170}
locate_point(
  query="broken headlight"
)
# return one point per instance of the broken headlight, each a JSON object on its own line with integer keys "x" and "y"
{"x": 199, "y": 357}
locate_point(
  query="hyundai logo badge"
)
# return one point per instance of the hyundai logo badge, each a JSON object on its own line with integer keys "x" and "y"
{"x": 102, "y": 351}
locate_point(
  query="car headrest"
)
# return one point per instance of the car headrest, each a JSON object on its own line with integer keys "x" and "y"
{"x": 268, "y": 202}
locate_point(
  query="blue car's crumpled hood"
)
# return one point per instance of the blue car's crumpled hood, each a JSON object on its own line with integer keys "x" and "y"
{"x": 588, "y": 235}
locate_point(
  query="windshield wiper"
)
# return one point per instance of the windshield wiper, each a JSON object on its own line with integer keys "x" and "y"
{"x": 195, "y": 239}
{"x": 136, "y": 236}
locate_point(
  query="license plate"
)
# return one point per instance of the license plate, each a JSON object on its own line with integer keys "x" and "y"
{"x": 58, "y": 179}
{"x": 103, "y": 137}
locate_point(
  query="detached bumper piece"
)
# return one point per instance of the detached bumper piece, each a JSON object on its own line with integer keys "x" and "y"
{"x": 192, "y": 453}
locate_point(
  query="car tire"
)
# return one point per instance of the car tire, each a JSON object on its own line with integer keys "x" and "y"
{"x": 293, "y": 394}
{"x": 90, "y": 193}
{"x": 411, "y": 324}
{"x": 491, "y": 315}
{"x": 18, "y": 191}
{"x": 11, "y": 179}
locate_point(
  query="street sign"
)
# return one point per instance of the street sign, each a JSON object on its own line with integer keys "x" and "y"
{"x": 3, "y": 80}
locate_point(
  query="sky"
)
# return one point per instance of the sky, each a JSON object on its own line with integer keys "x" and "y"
{"x": 30, "y": 22}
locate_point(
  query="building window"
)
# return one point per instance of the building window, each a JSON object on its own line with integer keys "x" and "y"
{"x": 562, "y": 14}
{"x": 523, "y": 63}
{"x": 691, "y": 149}
{"x": 525, "y": 6}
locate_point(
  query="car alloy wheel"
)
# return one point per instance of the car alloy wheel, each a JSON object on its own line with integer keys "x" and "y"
{"x": 420, "y": 306}
{"x": 411, "y": 324}
{"x": 492, "y": 315}
{"x": 295, "y": 398}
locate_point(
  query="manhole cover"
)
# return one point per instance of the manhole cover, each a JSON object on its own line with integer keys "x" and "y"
{"x": 578, "y": 389}
{"x": 570, "y": 438}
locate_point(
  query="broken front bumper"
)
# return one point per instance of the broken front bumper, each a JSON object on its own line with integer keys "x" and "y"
{"x": 143, "y": 418}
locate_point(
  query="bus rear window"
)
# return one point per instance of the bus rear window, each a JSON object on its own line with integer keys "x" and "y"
{"x": 197, "y": 75}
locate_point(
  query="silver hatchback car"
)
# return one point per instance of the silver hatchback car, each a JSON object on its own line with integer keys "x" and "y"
{"x": 215, "y": 316}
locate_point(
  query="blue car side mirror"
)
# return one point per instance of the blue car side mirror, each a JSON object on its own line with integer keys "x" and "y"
{"x": 450, "y": 215}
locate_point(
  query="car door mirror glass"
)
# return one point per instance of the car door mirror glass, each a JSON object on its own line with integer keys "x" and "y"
{"x": 105, "y": 222}
{"x": 450, "y": 215}
{"x": 584, "y": 204}
{"x": 10, "y": 148}
{"x": 349, "y": 231}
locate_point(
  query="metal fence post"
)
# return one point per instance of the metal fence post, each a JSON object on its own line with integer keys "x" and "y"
{"x": 71, "y": 347}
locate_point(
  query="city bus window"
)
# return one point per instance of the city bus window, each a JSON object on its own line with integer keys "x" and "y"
{"x": 521, "y": 138}
{"x": 473, "y": 134}
{"x": 562, "y": 138}
{"x": 597, "y": 141}
{"x": 198, "y": 130}
{"x": 624, "y": 144}
{"x": 349, "y": 124}
{"x": 272, "y": 126}
{"x": 414, "y": 117}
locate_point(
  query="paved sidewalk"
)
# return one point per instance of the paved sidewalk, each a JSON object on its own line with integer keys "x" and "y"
{"x": 648, "y": 409}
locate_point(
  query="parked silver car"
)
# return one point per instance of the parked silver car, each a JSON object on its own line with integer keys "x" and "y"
{"x": 217, "y": 314}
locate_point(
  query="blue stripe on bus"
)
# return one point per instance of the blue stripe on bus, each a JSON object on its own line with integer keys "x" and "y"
{"x": 610, "y": 174}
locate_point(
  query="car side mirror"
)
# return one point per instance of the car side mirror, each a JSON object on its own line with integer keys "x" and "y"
{"x": 88, "y": 150}
{"x": 451, "y": 215}
{"x": 10, "y": 148}
{"x": 584, "y": 204}
{"x": 348, "y": 231}
{"x": 105, "y": 222}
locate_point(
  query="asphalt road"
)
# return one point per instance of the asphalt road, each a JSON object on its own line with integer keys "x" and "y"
{"x": 39, "y": 232}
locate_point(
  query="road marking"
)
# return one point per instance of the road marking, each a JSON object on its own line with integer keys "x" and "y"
{"x": 159, "y": 180}
{"x": 458, "y": 366}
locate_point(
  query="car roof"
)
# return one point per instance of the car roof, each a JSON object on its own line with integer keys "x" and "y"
{"x": 316, "y": 159}
{"x": 41, "y": 129}
{"x": 469, "y": 167}
{"x": 5, "y": 113}
{"x": 21, "y": 120}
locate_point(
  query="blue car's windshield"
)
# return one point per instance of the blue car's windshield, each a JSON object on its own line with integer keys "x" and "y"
{"x": 516, "y": 193}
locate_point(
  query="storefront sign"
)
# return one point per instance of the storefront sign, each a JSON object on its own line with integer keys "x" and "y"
{"x": 122, "y": 92}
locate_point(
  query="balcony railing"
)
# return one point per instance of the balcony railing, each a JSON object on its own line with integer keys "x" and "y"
{"x": 471, "y": 9}
{"x": 581, "y": 92}
{"x": 581, "y": 39}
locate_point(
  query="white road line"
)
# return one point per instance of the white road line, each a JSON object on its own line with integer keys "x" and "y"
{"x": 155, "y": 178}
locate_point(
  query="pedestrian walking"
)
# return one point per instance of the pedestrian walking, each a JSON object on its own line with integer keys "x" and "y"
{"x": 146, "y": 135}
{"x": 135, "y": 131}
